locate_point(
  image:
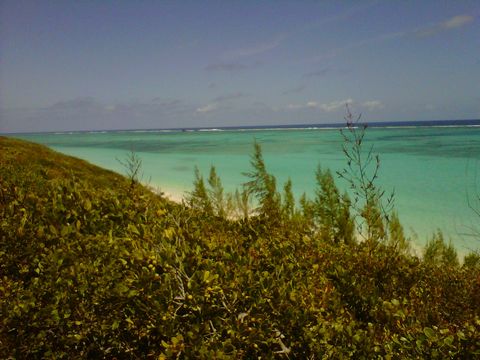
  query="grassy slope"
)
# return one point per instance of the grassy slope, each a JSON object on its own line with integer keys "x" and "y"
{"x": 40, "y": 159}
{"x": 90, "y": 267}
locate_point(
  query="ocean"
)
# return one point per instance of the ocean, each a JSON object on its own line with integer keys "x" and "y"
{"x": 432, "y": 167}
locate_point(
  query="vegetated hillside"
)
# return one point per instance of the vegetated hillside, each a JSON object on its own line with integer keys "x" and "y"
{"x": 93, "y": 265}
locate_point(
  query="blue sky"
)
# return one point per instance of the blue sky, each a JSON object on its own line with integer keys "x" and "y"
{"x": 80, "y": 65}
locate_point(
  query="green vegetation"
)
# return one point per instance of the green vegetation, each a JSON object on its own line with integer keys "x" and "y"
{"x": 94, "y": 265}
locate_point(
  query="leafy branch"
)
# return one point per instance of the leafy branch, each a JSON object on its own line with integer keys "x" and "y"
{"x": 361, "y": 174}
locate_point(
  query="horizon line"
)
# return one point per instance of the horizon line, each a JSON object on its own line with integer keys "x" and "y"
{"x": 250, "y": 127}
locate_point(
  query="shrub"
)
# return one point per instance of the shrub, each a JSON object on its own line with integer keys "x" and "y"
{"x": 332, "y": 211}
{"x": 90, "y": 268}
{"x": 437, "y": 252}
{"x": 263, "y": 186}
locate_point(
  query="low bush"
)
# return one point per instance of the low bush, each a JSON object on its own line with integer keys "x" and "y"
{"x": 93, "y": 265}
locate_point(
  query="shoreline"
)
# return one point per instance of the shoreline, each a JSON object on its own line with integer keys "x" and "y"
{"x": 175, "y": 196}
{"x": 416, "y": 245}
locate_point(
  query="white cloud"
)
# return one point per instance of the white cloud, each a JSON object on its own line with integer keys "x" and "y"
{"x": 457, "y": 21}
{"x": 373, "y": 105}
{"x": 207, "y": 108}
{"x": 327, "y": 107}
{"x": 452, "y": 23}
{"x": 294, "y": 106}
{"x": 335, "y": 105}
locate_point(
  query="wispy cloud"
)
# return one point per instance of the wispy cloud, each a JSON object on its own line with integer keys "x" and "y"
{"x": 449, "y": 24}
{"x": 318, "y": 73}
{"x": 327, "y": 107}
{"x": 457, "y": 21}
{"x": 373, "y": 105}
{"x": 226, "y": 67}
{"x": 227, "y": 97}
{"x": 332, "y": 53}
{"x": 295, "y": 106}
{"x": 337, "y": 105}
{"x": 168, "y": 103}
{"x": 421, "y": 32}
{"x": 254, "y": 49}
{"x": 263, "y": 47}
{"x": 294, "y": 90}
{"x": 220, "y": 102}
{"x": 207, "y": 108}
{"x": 345, "y": 15}
{"x": 83, "y": 103}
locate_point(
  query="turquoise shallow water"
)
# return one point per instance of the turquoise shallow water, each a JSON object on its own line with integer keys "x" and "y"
{"x": 431, "y": 169}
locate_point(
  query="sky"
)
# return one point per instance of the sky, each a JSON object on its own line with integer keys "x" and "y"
{"x": 98, "y": 65}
